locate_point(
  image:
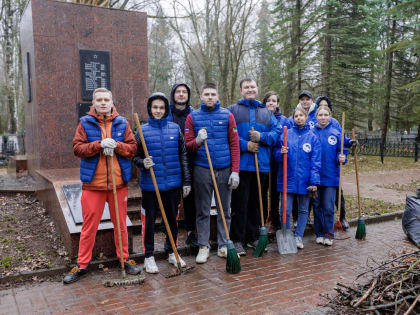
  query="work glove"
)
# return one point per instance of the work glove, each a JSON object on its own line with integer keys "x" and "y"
{"x": 234, "y": 180}
{"x": 254, "y": 135}
{"x": 148, "y": 162}
{"x": 354, "y": 142}
{"x": 108, "y": 143}
{"x": 252, "y": 146}
{"x": 202, "y": 135}
{"x": 109, "y": 151}
{"x": 186, "y": 191}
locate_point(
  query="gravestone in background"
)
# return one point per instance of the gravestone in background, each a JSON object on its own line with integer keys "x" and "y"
{"x": 68, "y": 50}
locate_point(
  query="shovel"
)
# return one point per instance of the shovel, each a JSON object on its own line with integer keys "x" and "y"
{"x": 286, "y": 242}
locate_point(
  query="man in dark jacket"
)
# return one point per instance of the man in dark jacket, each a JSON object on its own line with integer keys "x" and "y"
{"x": 257, "y": 131}
{"x": 179, "y": 110}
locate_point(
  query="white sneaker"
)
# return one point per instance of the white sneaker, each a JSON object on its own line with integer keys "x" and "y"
{"x": 172, "y": 260}
{"x": 203, "y": 255}
{"x": 299, "y": 242}
{"x": 328, "y": 241}
{"x": 150, "y": 265}
{"x": 222, "y": 252}
{"x": 319, "y": 240}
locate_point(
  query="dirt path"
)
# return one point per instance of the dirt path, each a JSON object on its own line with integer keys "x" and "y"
{"x": 370, "y": 184}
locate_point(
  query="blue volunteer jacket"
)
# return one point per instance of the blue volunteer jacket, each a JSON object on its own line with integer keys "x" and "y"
{"x": 330, "y": 140}
{"x": 303, "y": 160}
{"x": 250, "y": 114}
{"x": 161, "y": 138}
{"x": 93, "y": 131}
{"x": 216, "y": 122}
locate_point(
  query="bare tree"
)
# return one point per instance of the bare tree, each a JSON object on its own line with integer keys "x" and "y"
{"x": 213, "y": 39}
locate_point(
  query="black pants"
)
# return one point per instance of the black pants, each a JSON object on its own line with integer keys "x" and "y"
{"x": 343, "y": 204}
{"x": 189, "y": 211}
{"x": 246, "y": 218}
{"x": 274, "y": 200}
{"x": 170, "y": 200}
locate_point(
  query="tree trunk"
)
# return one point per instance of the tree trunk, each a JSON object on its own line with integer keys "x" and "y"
{"x": 326, "y": 67}
{"x": 388, "y": 85}
{"x": 8, "y": 66}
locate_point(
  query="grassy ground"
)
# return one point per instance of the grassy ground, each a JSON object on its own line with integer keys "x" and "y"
{"x": 369, "y": 163}
{"x": 412, "y": 186}
{"x": 370, "y": 207}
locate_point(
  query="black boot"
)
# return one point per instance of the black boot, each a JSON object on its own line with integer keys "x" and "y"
{"x": 344, "y": 223}
{"x": 75, "y": 274}
{"x": 191, "y": 239}
{"x": 131, "y": 268}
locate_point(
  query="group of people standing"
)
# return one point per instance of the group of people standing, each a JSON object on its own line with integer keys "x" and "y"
{"x": 176, "y": 136}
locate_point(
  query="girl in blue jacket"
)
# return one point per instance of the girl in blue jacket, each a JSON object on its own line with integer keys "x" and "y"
{"x": 330, "y": 139}
{"x": 303, "y": 165}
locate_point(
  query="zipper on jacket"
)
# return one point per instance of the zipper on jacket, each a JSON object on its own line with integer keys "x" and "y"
{"x": 106, "y": 159}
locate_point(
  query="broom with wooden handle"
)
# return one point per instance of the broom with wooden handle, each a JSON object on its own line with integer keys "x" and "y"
{"x": 361, "y": 225}
{"x": 263, "y": 240}
{"x": 233, "y": 265}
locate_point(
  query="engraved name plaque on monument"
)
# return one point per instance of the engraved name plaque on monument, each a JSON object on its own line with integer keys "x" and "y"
{"x": 95, "y": 71}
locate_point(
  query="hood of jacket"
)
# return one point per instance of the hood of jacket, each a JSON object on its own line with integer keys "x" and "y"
{"x": 173, "y": 93}
{"x": 154, "y": 96}
{"x": 251, "y": 103}
{"x": 311, "y": 109}
{"x": 326, "y": 98}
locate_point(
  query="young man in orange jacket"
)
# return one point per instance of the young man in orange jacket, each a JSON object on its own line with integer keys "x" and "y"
{"x": 100, "y": 134}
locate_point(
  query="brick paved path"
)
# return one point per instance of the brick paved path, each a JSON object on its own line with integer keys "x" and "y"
{"x": 273, "y": 284}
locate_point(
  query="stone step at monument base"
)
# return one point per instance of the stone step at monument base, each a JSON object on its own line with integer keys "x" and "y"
{"x": 59, "y": 191}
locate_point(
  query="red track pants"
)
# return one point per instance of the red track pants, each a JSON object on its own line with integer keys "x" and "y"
{"x": 93, "y": 202}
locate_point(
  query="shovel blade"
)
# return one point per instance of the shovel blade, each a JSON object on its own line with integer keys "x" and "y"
{"x": 286, "y": 242}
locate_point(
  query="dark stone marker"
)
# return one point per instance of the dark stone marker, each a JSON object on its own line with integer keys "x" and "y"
{"x": 83, "y": 108}
{"x": 95, "y": 71}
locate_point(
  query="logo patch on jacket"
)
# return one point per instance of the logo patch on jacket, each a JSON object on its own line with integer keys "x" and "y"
{"x": 311, "y": 124}
{"x": 119, "y": 134}
{"x": 332, "y": 140}
{"x": 171, "y": 138}
{"x": 220, "y": 122}
{"x": 307, "y": 147}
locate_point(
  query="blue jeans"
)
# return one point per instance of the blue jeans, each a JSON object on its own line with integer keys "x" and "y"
{"x": 324, "y": 211}
{"x": 303, "y": 204}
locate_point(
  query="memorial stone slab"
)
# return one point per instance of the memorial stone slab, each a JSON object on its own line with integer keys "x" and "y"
{"x": 73, "y": 194}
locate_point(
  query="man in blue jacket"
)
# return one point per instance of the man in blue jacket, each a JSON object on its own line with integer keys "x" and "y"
{"x": 250, "y": 113}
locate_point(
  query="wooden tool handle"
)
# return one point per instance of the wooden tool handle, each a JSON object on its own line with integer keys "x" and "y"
{"x": 216, "y": 190}
{"x": 357, "y": 174}
{"x": 340, "y": 184}
{"x": 259, "y": 185}
{"x": 155, "y": 185}
{"x": 117, "y": 214}
{"x": 284, "y": 177}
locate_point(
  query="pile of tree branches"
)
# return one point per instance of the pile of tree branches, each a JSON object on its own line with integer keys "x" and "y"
{"x": 392, "y": 287}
